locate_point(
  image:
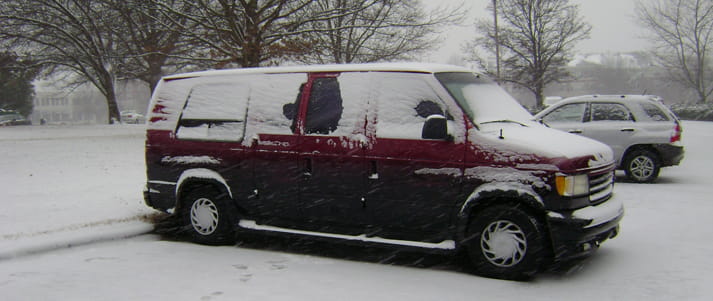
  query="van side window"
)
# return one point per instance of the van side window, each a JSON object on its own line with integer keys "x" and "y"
{"x": 610, "y": 112}
{"x": 403, "y": 104}
{"x": 214, "y": 112}
{"x": 324, "y": 109}
{"x": 274, "y": 102}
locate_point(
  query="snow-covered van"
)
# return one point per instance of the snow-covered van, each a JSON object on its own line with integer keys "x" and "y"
{"x": 433, "y": 157}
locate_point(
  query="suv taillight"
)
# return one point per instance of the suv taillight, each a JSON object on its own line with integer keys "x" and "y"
{"x": 676, "y": 133}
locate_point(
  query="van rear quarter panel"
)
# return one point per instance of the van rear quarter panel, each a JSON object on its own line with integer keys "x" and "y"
{"x": 167, "y": 158}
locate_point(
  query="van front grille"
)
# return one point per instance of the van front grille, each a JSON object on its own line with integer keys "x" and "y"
{"x": 601, "y": 187}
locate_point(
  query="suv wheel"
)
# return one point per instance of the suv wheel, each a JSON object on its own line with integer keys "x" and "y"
{"x": 505, "y": 242}
{"x": 208, "y": 217}
{"x": 642, "y": 166}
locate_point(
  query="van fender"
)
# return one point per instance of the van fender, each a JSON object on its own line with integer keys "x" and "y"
{"x": 201, "y": 175}
{"x": 491, "y": 193}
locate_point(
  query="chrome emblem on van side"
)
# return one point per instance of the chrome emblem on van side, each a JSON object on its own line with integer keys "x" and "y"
{"x": 273, "y": 143}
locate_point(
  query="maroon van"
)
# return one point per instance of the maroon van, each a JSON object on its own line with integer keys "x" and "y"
{"x": 433, "y": 157}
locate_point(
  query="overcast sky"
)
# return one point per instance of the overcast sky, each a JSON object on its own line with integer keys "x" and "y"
{"x": 614, "y": 28}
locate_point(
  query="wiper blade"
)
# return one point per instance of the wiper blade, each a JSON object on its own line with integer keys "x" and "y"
{"x": 504, "y": 121}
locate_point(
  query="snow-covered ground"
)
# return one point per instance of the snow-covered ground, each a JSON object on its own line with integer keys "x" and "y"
{"x": 60, "y": 180}
{"x": 63, "y": 186}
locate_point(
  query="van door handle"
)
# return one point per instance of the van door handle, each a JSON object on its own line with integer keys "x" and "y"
{"x": 627, "y": 130}
{"x": 307, "y": 171}
{"x": 575, "y": 131}
{"x": 374, "y": 172}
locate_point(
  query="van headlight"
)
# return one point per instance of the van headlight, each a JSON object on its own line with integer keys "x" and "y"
{"x": 572, "y": 185}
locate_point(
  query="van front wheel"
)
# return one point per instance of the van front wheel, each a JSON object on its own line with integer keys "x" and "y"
{"x": 505, "y": 242}
{"x": 208, "y": 217}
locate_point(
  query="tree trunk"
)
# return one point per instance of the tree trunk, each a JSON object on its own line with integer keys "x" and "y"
{"x": 539, "y": 93}
{"x": 154, "y": 72}
{"x": 252, "y": 48}
{"x": 113, "y": 107}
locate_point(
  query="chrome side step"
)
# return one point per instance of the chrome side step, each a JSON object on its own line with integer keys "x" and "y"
{"x": 444, "y": 245}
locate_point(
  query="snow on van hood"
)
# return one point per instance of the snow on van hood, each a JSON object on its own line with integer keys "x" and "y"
{"x": 523, "y": 144}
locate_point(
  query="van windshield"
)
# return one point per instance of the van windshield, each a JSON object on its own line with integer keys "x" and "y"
{"x": 482, "y": 99}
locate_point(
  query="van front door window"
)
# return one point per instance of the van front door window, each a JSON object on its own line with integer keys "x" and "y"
{"x": 404, "y": 103}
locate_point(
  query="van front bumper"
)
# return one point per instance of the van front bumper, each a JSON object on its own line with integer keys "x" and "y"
{"x": 579, "y": 232}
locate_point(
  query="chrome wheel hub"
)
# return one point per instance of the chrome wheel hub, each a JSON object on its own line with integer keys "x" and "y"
{"x": 204, "y": 216}
{"x": 642, "y": 167}
{"x": 503, "y": 243}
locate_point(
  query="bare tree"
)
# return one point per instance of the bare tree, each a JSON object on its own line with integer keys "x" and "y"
{"x": 148, "y": 42}
{"x": 682, "y": 32}
{"x": 69, "y": 35}
{"x": 249, "y": 33}
{"x": 243, "y": 33}
{"x": 373, "y": 30}
{"x": 536, "y": 38}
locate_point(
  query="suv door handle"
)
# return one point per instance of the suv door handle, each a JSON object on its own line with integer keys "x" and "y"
{"x": 575, "y": 131}
{"x": 627, "y": 130}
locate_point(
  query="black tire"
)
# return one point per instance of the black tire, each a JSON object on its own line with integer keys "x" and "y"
{"x": 505, "y": 242}
{"x": 642, "y": 166}
{"x": 208, "y": 216}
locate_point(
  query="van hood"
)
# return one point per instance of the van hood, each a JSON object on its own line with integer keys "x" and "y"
{"x": 531, "y": 144}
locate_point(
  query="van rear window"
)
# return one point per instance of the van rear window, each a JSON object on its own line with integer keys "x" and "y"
{"x": 214, "y": 112}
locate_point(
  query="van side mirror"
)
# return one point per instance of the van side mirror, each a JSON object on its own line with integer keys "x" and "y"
{"x": 435, "y": 128}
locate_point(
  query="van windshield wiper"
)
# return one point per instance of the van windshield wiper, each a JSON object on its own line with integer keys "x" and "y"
{"x": 504, "y": 121}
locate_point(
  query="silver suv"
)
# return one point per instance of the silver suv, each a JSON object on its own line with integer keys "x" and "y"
{"x": 644, "y": 134}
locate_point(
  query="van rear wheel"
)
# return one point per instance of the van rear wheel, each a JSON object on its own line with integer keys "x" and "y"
{"x": 505, "y": 242}
{"x": 208, "y": 217}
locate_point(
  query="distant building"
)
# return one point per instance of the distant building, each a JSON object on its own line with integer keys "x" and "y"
{"x": 81, "y": 106}
{"x": 84, "y": 104}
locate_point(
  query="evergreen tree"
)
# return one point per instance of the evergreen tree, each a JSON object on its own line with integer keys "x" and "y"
{"x": 16, "y": 89}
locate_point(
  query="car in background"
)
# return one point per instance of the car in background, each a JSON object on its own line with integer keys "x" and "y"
{"x": 132, "y": 117}
{"x": 644, "y": 134}
{"x": 8, "y": 118}
{"x": 551, "y": 100}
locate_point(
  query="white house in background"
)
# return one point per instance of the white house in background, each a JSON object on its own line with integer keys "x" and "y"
{"x": 56, "y": 104}
{"x": 81, "y": 106}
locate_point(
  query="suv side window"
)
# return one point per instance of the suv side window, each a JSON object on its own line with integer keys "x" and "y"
{"x": 403, "y": 104}
{"x": 610, "y": 112}
{"x": 654, "y": 112}
{"x": 214, "y": 112}
{"x": 568, "y": 113}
